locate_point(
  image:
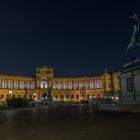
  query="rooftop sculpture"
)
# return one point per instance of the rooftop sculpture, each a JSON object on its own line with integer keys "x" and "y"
{"x": 135, "y": 39}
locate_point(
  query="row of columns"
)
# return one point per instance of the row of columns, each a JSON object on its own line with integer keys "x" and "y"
{"x": 17, "y": 84}
{"x": 94, "y": 84}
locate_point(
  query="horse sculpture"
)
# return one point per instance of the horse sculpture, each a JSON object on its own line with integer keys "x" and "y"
{"x": 135, "y": 39}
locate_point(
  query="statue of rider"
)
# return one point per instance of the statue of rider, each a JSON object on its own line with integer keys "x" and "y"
{"x": 135, "y": 39}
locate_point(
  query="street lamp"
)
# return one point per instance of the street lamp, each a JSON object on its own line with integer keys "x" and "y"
{"x": 34, "y": 96}
{"x": 10, "y": 93}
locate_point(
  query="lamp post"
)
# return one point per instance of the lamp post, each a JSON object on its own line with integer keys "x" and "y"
{"x": 34, "y": 96}
{"x": 10, "y": 93}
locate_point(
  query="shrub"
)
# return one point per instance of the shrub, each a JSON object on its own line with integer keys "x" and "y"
{"x": 17, "y": 102}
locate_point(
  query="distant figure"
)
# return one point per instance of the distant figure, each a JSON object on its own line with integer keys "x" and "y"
{"x": 135, "y": 39}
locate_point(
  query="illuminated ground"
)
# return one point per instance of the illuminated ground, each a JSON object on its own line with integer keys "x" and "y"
{"x": 67, "y": 123}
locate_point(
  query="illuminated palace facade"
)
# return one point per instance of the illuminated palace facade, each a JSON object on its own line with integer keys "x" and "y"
{"x": 63, "y": 88}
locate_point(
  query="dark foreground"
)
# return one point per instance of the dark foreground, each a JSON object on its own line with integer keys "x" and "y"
{"x": 68, "y": 123}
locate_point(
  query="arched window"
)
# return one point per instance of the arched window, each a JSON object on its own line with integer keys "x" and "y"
{"x": 62, "y": 96}
{"x": 77, "y": 97}
{"x": 2, "y": 96}
{"x": 13, "y": 96}
{"x": 19, "y": 96}
{"x": 67, "y": 96}
{"x": 72, "y": 96}
{"x": 44, "y": 85}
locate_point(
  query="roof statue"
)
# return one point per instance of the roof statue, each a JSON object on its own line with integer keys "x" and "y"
{"x": 135, "y": 39}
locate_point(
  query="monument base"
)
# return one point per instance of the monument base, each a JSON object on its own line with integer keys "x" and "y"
{"x": 130, "y": 82}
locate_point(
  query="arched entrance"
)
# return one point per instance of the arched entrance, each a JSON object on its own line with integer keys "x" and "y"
{"x": 47, "y": 98}
{"x": 61, "y": 97}
{"x": 67, "y": 97}
{"x": 19, "y": 96}
{"x": 77, "y": 97}
{"x": 72, "y": 97}
{"x": 56, "y": 97}
{"x": 88, "y": 96}
{"x": 13, "y": 96}
{"x": 44, "y": 96}
{"x": 1, "y": 96}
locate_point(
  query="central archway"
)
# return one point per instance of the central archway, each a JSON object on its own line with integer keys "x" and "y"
{"x": 44, "y": 96}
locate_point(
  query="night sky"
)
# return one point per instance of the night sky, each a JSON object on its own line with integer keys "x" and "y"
{"x": 75, "y": 37}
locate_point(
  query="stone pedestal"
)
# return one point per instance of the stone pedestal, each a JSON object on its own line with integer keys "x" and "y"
{"x": 130, "y": 82}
